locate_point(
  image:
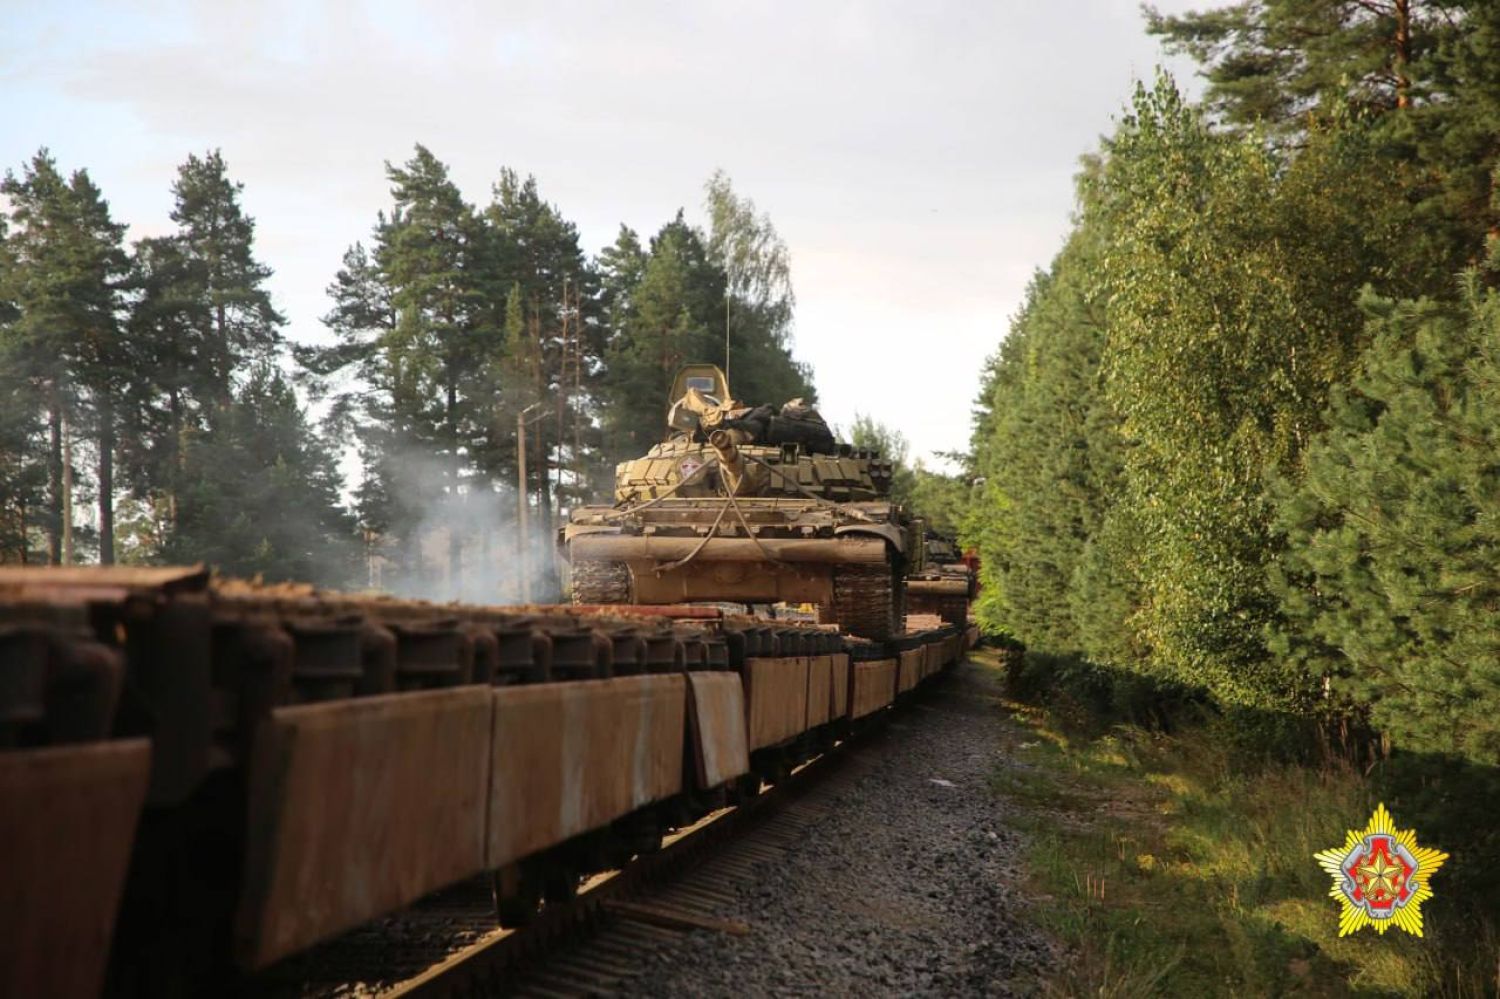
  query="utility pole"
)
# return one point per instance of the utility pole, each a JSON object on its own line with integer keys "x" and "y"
{"x": 523, "y": 502}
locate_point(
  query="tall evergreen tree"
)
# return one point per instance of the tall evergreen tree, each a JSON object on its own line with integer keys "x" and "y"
{"x": 673, "y": 305}
{"x": 22, "y": 455}
{"x": 201, "y": 318}
{"x": 1422, "y": 72}
{"x": 104, "y": 361}
{"x": 554, "y": 350}
{"x": 419, "y": 325}
{"x": 1277, "y": 61}
{"x": 262, "y": 493}
{"x": 67, "y": 266}
{"x": 230, "y": 311}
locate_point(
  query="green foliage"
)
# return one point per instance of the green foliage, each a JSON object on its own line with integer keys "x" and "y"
{"x": 63, "y": 274}
{"x": 1175, "y": 360}
{"x": 1231, "y": 313}
{"x": 872, "y": 435}
{"x": 1046, "y": 453}
{"x": 262, "y": 494}
{"x": 228, "y": 312}
{"x": 1389, "y": 583}
{"x": 1423, "y": 73}
{"x": 941, "y": 498}
{"x": 670, "y": 305}
{"x": 1278, "y": 61}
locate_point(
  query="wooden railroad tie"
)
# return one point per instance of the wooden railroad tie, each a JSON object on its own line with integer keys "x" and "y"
{"x": 676, "y": 919}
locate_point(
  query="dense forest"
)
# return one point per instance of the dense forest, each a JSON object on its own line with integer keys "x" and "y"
{"x": 1235, "y": 483}
{"x": 1244, "y": 434}
{"x": 154, "y": 410}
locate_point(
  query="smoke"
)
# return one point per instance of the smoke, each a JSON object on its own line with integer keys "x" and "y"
{"x": 466, "y": 545}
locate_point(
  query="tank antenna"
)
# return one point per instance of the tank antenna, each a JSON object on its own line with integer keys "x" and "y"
{"x": 726, "y": 330}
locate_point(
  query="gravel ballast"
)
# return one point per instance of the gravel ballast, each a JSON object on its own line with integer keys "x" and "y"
{"x": 910, "y": 885}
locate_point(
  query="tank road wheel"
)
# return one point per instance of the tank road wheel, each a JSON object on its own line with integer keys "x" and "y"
{"x": 597, "y": 581}
{"x": 864, "y": 602}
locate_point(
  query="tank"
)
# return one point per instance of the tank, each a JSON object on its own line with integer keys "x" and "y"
{"x": 748, "y": 505}
{"x": 943, "y": 582}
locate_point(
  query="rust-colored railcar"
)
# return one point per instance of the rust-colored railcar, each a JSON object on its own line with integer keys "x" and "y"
{"x": 198, "y": 779}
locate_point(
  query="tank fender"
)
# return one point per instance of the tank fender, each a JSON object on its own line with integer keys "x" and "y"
{"x": 892, "y": 534}
{"x": 570, "y": 531}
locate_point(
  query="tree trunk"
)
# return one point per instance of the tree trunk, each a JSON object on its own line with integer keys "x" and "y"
{"x": 1403, "y": 54}
{"x": 106, "y": 483}
{"x": 174, "y": 472}
{"x": 21, "y": 523}
{"x": 67, "y": 496}
{"x": 54, "y": 480}
{"x": 562, "y": 397}
{"x": 226, "y": 354}
{"x": 455, "y": 468}
{"x": 539, "y": 384}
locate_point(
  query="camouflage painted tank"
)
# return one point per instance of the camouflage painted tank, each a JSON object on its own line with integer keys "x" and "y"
{"x": 944, "y": 583}
{"x": 747, "y": 505}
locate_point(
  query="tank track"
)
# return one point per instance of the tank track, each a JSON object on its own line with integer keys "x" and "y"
{"x": 952, "y": 610}
{"x": 865, "y": 602}
{"x": 598, "y": 581}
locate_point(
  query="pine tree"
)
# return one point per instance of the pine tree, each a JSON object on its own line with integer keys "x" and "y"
{"x": 231, "y": 314}
{"x": 22, "y": 456}
{"x": 419, "y": 325}
{"x": 262, "y": 495}
{"x": 553, "y": 291}
{"x": 1388, "y": 586}
{"x": 1422, "y": 73}
{"x": 669, "y": 306}
{"x": 621, "y": 266}
{"x": 1277, "y": 61}
{"x": 201, "y": 318}
{"x": 104, "y": 362}
{"x": 66, "y": 269}
{"x": 671, "y": 322}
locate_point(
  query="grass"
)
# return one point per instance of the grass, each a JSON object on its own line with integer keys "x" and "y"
{"x": 1165, "y": 866}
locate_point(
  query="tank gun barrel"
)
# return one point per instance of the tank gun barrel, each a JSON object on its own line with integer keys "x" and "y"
{"x": 731, "y": 463}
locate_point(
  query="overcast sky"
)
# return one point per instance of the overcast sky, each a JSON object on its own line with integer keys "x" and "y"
{"x": 917, "y": 157}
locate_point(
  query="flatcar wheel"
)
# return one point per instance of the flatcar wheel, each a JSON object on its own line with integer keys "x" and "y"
{"x": 560, "y": 884}
{"x": 517, "y": 893}
{"x": 599, "y": 581}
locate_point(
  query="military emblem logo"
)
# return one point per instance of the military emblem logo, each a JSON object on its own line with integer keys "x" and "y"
{"x": 1381, "y": 876}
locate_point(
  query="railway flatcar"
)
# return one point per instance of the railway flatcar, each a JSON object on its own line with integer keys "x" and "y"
{"x": 206, "y": 778}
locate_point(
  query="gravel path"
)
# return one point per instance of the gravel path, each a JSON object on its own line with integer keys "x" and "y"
{"x": 910, "y": 886}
